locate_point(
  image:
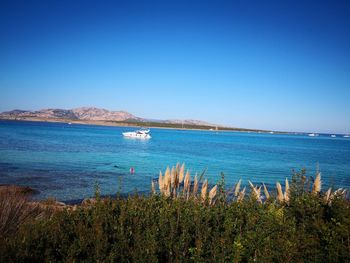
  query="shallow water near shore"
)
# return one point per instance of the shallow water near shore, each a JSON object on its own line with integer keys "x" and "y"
{"x": 66, "y": 161}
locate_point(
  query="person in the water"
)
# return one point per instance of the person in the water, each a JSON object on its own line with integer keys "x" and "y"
{"x": 132, "y": 170}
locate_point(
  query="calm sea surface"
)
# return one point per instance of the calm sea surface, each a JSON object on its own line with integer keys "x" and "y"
{"x": 65, "y": 161}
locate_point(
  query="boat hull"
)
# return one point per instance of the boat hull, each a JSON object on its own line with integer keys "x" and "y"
{"x": 136, "y": 135}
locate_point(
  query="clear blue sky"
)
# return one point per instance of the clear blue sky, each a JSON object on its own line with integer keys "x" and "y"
{"x": 256, "y": 64}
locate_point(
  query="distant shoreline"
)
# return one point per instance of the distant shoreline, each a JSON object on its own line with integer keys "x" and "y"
{"x": 142, "y": 124}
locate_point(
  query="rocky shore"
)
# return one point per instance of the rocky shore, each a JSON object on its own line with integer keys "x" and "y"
{"x": 25, "y": 194}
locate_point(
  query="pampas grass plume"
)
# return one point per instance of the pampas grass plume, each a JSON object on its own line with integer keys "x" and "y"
{"x": 195, "y": 185}
{"x": 286, "y": 191}
{"x": 212, "y": 193}
{"x": 181, "y": 173}
{"x": 167, "y": 179}
{"x": 241, "y": 195}
{"x": 328, "y": 195}
{"x": 316, "y": 188}
{"x": 204, "y": 190}
{"x": 237, "y": 188}
{"x": 279, "y": 192}
{"x": 255, "y": 191}
{"x": 267, "y": 195}
{"x": 161, "y": 182}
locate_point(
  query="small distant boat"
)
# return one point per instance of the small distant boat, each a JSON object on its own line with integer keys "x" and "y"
{"x": 69, "y": 123}
{"x": 140, "y": 134}
{"x": 333, "y": 135}
{"x": 313, "y": 134}
{"x": 346, "y": 136}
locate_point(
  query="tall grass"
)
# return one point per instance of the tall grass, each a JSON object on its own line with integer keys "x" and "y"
{"x": 175, "y": 185}
{"x": 15, "y": 210}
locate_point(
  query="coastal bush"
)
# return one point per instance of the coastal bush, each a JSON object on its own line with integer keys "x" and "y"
{"x": 308, "y": 226}
{"x": 15, "y": 210}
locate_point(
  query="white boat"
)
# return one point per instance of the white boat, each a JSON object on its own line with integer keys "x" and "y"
{"x": 333, "y": 135}
{"x": 313, "y": 134}
{"x": 346, "y": 136}
{"x": 140, "y": 134}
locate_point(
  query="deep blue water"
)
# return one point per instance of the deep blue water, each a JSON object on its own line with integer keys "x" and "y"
{"x": 65, "y": 161}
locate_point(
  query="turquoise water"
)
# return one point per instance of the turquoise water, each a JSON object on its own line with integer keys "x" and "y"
{"x": 65, "y": 161}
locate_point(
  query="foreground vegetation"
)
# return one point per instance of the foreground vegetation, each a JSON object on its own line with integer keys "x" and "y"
{"x": 301, "y": 224}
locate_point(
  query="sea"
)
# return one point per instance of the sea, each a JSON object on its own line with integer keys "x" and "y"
{"x": 67, "y": 161}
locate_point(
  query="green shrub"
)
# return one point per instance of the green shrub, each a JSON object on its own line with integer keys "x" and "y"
{"x": 156, "y": 228}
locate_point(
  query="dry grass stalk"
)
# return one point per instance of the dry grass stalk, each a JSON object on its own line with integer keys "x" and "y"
{"x": 187, "y": 183}
{"x": 169, "y": 184}
{"x": 251, "y": 184}
{"x": 338, "y": 192}
{"x": 167, "y": 178}
{"x": 161, "y": 182}
{"x": 167, "y": 190}
{"x": 212, "y": 194}
{"x": 176, "y": 180}
{"x": 237, "y": 188}
{"x": 182, "y": 173}
{"x": 204, "y": 190}
{"x": 195, "y": 185}
{"x": 316, "y": 188}
{"x": 267, "y": 195}
{"x": 16, "y": 210}
{"x": 256, "y": 192}
{"x": 241, "y": 195}
{"x": 279, "y": 192}
{"x": 286, "y": 191}
{"x": 173, "y": 177}
{"x": 328, "y": 196}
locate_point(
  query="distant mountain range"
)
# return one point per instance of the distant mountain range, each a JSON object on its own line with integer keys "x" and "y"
{"x": 89, "y": 114}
